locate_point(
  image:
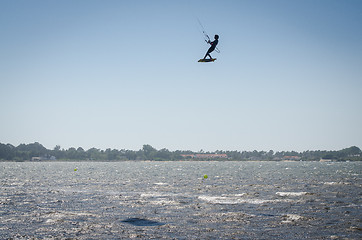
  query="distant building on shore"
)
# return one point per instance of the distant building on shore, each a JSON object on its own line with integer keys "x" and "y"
{"x": 204, "y": 155}
{"x": 291, "y": 158}
{"x": 43, "y": 158}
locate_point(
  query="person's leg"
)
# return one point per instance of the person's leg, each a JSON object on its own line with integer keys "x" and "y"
{"x": 208, "y": 54}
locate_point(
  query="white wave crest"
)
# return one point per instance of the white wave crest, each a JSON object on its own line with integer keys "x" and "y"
{"x": 291, "y": 194}
{"x": 236, "y": 200}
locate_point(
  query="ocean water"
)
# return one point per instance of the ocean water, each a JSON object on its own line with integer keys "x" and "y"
{"x": 173, "y": 200}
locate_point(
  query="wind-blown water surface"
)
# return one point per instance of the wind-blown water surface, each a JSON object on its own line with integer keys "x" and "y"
{"x": 173, "y": 200}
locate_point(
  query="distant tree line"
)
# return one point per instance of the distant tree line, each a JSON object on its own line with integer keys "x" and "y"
{"x": 37, "y": 152}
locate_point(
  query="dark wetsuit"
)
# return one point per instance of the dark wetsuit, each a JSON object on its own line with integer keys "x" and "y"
{"x": 213, "y": 46}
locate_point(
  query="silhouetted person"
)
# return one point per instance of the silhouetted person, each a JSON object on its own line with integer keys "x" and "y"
{"x": 213, "y": 46}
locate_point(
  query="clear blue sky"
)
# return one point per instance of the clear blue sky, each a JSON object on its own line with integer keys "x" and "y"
{"x": 120, "y": 74}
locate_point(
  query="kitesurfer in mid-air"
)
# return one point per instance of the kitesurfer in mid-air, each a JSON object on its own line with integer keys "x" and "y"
{"x": 213, "y": 46}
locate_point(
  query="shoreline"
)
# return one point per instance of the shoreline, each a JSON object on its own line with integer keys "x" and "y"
{"x": 193, "y": 160}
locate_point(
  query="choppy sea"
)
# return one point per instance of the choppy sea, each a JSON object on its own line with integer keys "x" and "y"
{"x": 173, "y": 200}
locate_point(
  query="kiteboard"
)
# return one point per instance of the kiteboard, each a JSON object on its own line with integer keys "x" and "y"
{"x": 207, "y": 60}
